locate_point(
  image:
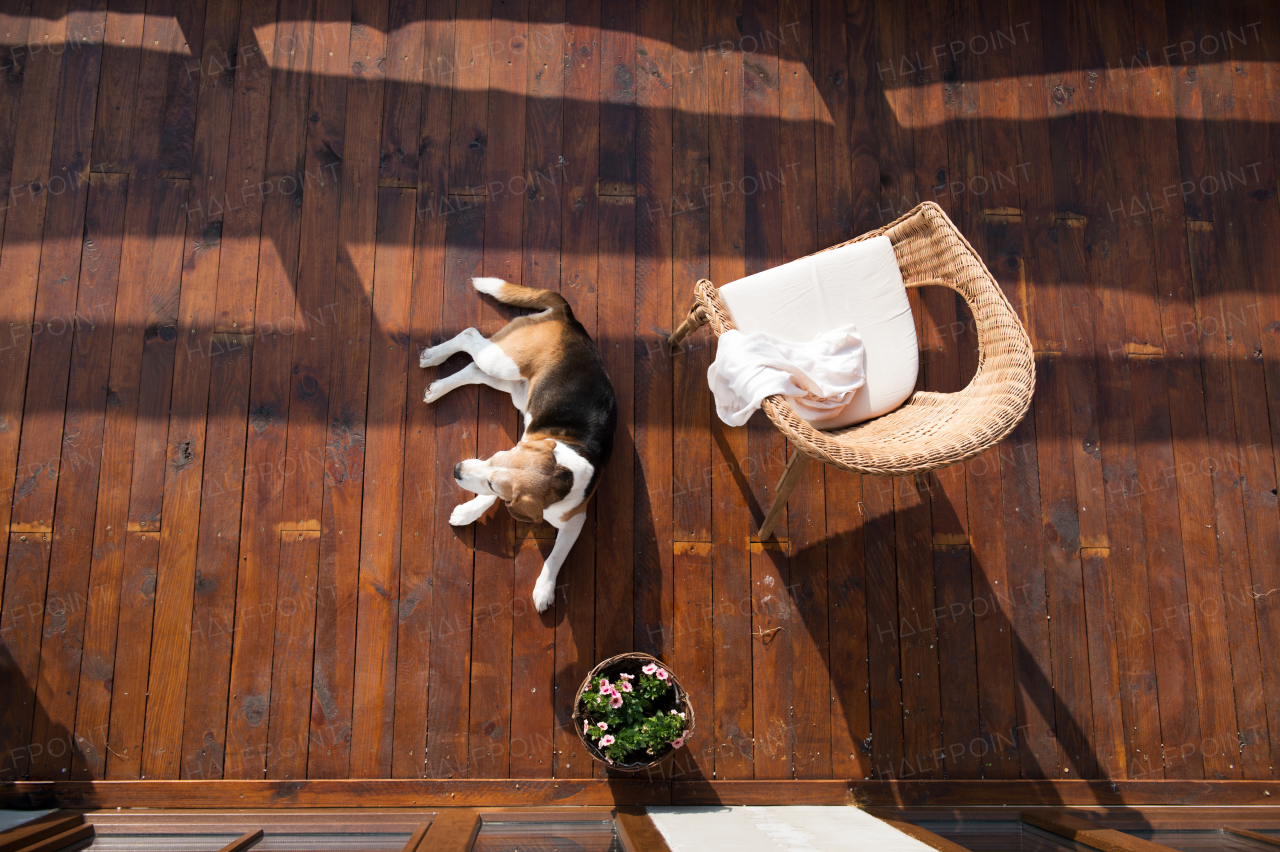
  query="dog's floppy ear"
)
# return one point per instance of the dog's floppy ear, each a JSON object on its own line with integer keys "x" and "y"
{"x": 523, "y": 507}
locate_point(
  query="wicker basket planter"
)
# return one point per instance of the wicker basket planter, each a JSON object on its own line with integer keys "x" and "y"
{"x": 677, "y": 699}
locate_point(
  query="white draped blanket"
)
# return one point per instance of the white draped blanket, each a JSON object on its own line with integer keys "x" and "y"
{"x": 820, "y": 378}
{"x": 801, "y": 301}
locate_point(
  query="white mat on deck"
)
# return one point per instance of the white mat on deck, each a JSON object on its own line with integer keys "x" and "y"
{"x": 779, "y": 829}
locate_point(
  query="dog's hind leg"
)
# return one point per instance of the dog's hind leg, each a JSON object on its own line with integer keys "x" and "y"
{"x": 469, "y": 341}
{"x": 468, "y": 375}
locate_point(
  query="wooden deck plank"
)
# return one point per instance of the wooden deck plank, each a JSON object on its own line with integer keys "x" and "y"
{"x": 533, "y": 695}
{"x": 69, "y": 592}
{"x": 1179, "y": 713}
{"x": 314, "y": 338}
{"x": 176, "y": 156}
{"x": 616, "y": 312}
{"x": 1185, "y": 23}
{"x": 1167, "y": 616}
{"x": 205, "y": 153}
{"x": 418, "y": 562}
{"x": 455, "y": 416}
{"x": 953, "y": 619}
{"x": 1070, "y": 471}
{"x": 812, "y": 692}
{"x": 341, "y": 525}
{"x": 56, "y": 286}
{"x": 314, "y": 324}
{"x": 845, "y": 201}
{"x": 1043, "y": 315}
{"x": 884, "y": 686}
{"x": 16, "y": 21}
{"x": 1000, "y": 241}
{"x": 943, "y": 152}
{"x": 295, "y": 606}
{"x": 226, "y": 208}
{"x": 113, "y": 129}
{"x": 111, "y": 515}
{"x": 133, "y": 656}
{"x": 1209, "y": 642}
{"x": 1263, "y": 522}
{"x": 891, "y": 754}
{"x": 1236, "y": 382}
{"x": 239, "y": 205}
{"x": 403, "y": 102}
{"x": 994, "y": 600}
{"x": 137, "y": 388}
{"x": 378, "y": 604}
{"x": 1073, "y": 713}
{"x": 934, "y": 309}
{"x": 495, "y": 594}
{"x": 1126, "y": 319}
{"x": 25, "y": 582}
{"x": 151, "y": 461}
{"x": 23, "y": 229}
{"x": 771, "y": 585}
{"x": 46, "y": 428}
{"x": 1211, "y": 251}
{"x": 1029, "y": 629}
{"x": 1104, "y": 664}
{"x": 313, "y": 316}
{"x": 580, "y": 235}
{"x": 732, "y": 724}
{"x": 269, "y": 397}
{"x": 213, "y": 618}
{"x": 693, "y": 658}
{"x": 652, "y": 520}
{"x": 687, "y": 208}
{"x": 912, "y": 496}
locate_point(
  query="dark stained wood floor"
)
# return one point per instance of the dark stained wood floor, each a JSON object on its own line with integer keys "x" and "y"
{"x": 229, "y": 227}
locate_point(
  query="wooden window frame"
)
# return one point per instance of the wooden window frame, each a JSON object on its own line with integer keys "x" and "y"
{"x": 436, "y": 829}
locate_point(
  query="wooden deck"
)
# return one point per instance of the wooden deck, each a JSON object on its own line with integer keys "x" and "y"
{"x": 229, "y": 226}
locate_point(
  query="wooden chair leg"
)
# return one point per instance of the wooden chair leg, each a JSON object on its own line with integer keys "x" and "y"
{"x": 790, "y": 478}
{"x": 697, "y": 319}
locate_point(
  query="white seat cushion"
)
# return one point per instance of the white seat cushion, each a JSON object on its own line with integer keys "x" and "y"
{"x": 859, "y": 284}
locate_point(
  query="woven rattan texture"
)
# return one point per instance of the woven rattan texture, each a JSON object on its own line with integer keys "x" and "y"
{"x": 930, "y": 430}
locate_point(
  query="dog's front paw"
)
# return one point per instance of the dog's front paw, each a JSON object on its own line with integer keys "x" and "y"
{"x": 544, "y": 594}
{"x": 466, "y": 513}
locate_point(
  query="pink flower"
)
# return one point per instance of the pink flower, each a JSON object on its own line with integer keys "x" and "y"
{"x": 677, "y": 743}
{"x": 604, "y": 726}
{"x": 616, "y": 701}
{"x": 625, "y": 686}
{"x": 586, "y": 726}
{"x": 626, "y": 676}
{"x": 605, "y": 687}
{"x": 661, "y": 674}
{"x": 606, "y": 741}
{"x": 649, "y": 669}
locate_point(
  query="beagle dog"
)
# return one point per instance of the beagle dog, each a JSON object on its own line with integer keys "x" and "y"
{"x": 556, "y": 378}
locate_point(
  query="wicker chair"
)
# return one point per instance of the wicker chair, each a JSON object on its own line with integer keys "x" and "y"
{"x": 930, "y": 430}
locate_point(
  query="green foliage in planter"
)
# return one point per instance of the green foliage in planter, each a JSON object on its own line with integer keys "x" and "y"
{"x": 624, "y": 720}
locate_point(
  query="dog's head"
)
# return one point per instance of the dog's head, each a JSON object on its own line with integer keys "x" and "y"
{"x": 526, "y": 477}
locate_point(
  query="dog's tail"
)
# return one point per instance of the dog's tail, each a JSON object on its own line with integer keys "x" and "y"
{"x": 521, "y": 297}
